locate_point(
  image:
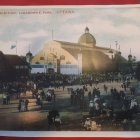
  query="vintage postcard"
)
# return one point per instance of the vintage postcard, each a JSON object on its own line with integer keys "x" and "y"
{"x": 74, "y": 68}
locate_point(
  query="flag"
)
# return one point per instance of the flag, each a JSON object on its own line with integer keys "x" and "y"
{"x": 13, "y": 46}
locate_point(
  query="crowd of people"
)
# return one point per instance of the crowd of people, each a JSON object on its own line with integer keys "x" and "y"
{"x": 120, "y": 105}
{"x": 87, "y": 96}
{"x": 78, "y": 97}
{"x": 41, "y": 96}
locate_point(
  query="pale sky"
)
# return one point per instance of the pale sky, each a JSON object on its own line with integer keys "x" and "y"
{"x": 107, "y": 25}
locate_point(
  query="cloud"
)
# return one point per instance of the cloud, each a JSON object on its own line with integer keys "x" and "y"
{"x": 106, "y": 24}
{"x": 108, "y": 27}
{"x": 131, "y": 14}
{"x": 33, "y": 35}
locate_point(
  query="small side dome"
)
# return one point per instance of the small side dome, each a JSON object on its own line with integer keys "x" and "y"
{"x": 87, "y": 39}
{"x": 29, "y": 54}
{"x": 29, "y": 57}
{"x": 129, "y": 56}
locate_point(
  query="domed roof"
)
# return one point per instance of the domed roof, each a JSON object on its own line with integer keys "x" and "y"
{"x": 129, "y": 55}
{"x": 87, "y": 39}
{"x": 29, "y": 54}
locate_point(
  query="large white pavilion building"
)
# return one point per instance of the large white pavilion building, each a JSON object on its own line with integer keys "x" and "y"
{"x": 73, "y": 58}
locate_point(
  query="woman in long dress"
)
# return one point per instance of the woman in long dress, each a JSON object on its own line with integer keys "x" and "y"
{"x": 23, "y": 105}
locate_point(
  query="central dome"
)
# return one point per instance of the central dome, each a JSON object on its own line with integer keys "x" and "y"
{"x": 87, "y": 39}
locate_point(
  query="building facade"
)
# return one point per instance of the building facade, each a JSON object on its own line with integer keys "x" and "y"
{"x": 13, "y": 67}
{"x": 73, "y": 58}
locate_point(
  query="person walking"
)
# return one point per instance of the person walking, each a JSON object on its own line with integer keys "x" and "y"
{"x": 22, "y": 105}
{"x": 26, "y": 104}
{"x": 4, "y": 99}
{"x": 19, "y": 105}
{"x": 8, "y": 99}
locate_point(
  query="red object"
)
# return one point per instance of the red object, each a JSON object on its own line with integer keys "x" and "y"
{"x": 67, "y": 2}
{"x": 63, "y": 138}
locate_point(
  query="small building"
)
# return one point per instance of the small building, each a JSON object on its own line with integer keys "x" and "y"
{"x": 12, "y": 67}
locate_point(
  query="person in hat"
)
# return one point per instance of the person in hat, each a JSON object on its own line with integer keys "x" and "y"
{"x": 87, "y": 124}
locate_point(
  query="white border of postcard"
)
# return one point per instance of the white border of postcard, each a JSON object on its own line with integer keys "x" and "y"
{"x": 121, "y": 134}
